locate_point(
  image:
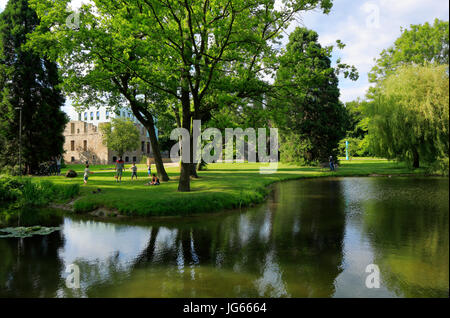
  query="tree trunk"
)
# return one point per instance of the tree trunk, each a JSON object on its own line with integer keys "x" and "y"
{"x": 416, "y": 163}
{"x": 193, "y": 167}
{"x": 150, "y": 126}
{"x": 162, "y": 174}
{"x": 184, "y": 184}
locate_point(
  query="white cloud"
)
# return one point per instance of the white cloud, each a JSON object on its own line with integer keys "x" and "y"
{"x": 367, "y": 28}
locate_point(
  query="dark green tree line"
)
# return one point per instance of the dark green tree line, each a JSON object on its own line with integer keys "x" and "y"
{"x": 30, "y": 82}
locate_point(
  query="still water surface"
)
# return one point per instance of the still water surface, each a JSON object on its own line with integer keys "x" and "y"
{"x": 312, "y": 238}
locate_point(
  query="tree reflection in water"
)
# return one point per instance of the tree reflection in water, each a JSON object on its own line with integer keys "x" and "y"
{"x": 310, "y": 239}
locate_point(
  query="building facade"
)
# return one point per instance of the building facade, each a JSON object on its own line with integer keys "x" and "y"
{"x": 84, "y": 140}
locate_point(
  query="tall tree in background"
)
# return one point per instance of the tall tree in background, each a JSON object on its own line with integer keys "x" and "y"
{"x": 30, "y": 82}
{"x": 121, "y": 135}
{"x": 307, "y": 109}
{"x": 409, "y": 116}
{"x": 357, "y": 134}
{"x": 421, "y": 44}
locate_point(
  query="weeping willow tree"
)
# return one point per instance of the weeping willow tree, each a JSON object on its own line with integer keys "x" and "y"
{"x": 409, "y": 115}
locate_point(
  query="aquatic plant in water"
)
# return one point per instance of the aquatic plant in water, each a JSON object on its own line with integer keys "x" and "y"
{"x": 22, "y": 232}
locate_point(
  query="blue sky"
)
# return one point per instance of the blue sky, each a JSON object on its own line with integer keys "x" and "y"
{"x": 366, "y": 27}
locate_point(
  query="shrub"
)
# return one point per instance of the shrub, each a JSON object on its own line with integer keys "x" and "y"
{"x": 11, "y": 170}
{"x": 26, "y": 193}
{"x": 10, "y": 188}
{"x": 440, "y": 167}
{"x": 71, "y": 174}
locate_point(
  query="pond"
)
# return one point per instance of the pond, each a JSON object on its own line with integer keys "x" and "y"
{"x": 312, "y": 238}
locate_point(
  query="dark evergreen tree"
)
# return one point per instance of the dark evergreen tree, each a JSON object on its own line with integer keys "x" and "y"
{"x": 28, "y": 81}
{"x": 307, "y": 109}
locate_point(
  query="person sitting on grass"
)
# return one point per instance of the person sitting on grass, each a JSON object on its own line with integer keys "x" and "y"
{"x": 155, "y": 181}
{"x": 87, "y": 171}
{"x": 133, "y": 171}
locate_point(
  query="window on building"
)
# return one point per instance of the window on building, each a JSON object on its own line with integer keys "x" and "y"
{"x": 143, "y": 146}
{"x": 127, "y": 159}
{"x": 85, "y": 127}
{"x": 79, "y": 116}
{"x": 84, "y": 145}
{"x": 107, "y": 114}
{"x": 72, "y": 159}
{"x": 72, "y": 128}
{"x": 85, "y": 116}
{"x": 148, "y": 147}
{"x": 92, "y": 115}
{"x": 134, "y": 159}
{"x": 98, "y": 115}
{"x": 78, "y": 130}
{"x": 72, "y": 145}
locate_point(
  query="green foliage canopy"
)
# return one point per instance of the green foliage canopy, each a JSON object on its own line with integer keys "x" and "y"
{"x": 121, "y": 135}
{"x": 193, "y": 54}
{"x": 422, "y": 43}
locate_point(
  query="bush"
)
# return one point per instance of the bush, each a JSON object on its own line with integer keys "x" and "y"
{"x": 10, "y": 188}
{"x": 19, "y": 193}
{"x": 71, "y": 174}
{"x": 11, "y": 170}
{"x": 440, "y": 167}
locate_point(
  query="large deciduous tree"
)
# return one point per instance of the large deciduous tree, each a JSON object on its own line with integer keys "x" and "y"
{"x": 186, "y": 51}
{"x": 420, "y": 44}
{"x": 409, "y": 115}
{"x": 307, "y": 109}
{"x": 30, "y": 82}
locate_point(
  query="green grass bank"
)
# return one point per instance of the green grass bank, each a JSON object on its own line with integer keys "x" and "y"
{"x": 221, "y": 186}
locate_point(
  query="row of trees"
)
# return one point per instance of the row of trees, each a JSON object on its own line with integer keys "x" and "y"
{"x": 209, "y": 61}
{"x": 197, "y": 60}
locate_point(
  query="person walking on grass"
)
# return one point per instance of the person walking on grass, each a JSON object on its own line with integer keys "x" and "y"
{"x": 133, "y": 171}
{"x": 87, "y": 172}
{"x": 331, "y": 163}
{"x": 58, "y": 164}
{"x": 120, "y": 166}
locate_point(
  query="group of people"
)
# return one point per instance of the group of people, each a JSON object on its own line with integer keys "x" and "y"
{"x": 120, "y": 167}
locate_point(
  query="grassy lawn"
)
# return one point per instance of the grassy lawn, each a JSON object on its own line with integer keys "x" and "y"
{"x": 221, "y": 186}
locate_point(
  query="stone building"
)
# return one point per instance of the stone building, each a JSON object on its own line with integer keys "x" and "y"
{"x": 83, "y": 140}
